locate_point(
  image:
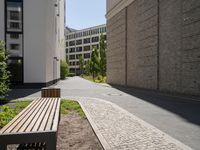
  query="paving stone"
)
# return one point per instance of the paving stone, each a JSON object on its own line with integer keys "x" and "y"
{"x": 124, "y": 131}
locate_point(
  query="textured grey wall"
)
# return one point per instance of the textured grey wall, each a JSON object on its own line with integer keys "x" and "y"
{"x": 116, "y": 48}
{"x": 161, "y": 46}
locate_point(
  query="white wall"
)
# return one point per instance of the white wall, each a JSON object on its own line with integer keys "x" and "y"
{"x": 43, "y": 36}
{"x": 2, "y": 20}
{"x": 35, "y": 29}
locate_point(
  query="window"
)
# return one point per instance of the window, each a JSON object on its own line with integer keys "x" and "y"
{"x": 14, "y": 46}
{"x": 14, "y": 36}
{"x": 95, "y": 39}
{"x": 66, "y": 50}
{"x": 72, "y": 50}
{"x": 66, "y": 44}
{"x": 105, "y": 37}
{"x": 78, "y": 56}
{"x": 86, "y": 48}
{"x": 14, "y": 25}
{"x": 14, "y": 15}
{"x": 71, "y": 43}
{"x": 71, "y": 57}
{"x": 72, "y": 70}
{"x": 86, "y": 40}
{"x": 78, "y": 42}
{"x": 77, "y": 63}
{"x": 79, "y": 49}
{"x": 87, "y": 55}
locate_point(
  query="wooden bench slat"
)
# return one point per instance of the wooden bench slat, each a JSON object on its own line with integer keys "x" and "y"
{"x": 37, "y": 115}
{"x": 24, "y": 120}
{"x": 39, "y": 120}
{"x": 56, "y": 116}
{"x": 21, "y": 114}
{"x": 31, "y": 118}
{"x": 50, "y": 119}
{"x": 45, "y": 120}
{"x": 16, "y": 120}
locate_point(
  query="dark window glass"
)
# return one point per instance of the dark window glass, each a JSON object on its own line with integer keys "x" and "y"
{"x": 14, "y": 15}
{"x": 71, "y": 57}
{"x": 71, "y": 43}
{"x": 15, "y": 67}
{"x": 71, "y": 50}
{"x": 95, "y": 39}
{"x": 86, "y": 40}
{"x": 14, "y": 46}
{"x": 105, "y": 37}
{"x": 87, "y": 55}
{"x": 14, "y": 25}
{"x": 86, "y": 48}
{"x": 66, "y": 50}
{"x": 79, "y": 49}
{"x": 14, "y": 36}
{"x": 78, "y": 42}
{"x": 66, "y": 44}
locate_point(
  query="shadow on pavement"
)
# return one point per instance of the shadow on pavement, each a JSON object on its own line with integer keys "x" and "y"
{"x": 20, "y": 93}
{"x": 187, "y": 108}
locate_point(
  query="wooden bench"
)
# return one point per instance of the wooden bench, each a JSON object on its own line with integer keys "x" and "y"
{"x": 37, "y": 123}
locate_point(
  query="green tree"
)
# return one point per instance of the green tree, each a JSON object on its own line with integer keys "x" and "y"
{"x": 102, "y": 50}
{"x": 64, "y": 69}
{"x": 95, "y": 62}
{"x": 4, "y": 73}
{"x": 81, "y": 64}
{"x": 88, "y": 70}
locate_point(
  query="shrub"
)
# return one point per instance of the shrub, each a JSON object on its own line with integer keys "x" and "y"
{"x": 6, "y": 114}
{"x": 4, "y": 73}
{"x": 64, "y": 70}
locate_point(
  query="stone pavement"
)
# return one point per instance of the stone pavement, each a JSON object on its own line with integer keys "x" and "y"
{"x": 176, "y": 116}
{"x": 118, "y": 129}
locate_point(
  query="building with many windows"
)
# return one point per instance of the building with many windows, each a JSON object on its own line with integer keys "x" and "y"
{"x": 80, "y": 43}
{"x": 34, "y": 34}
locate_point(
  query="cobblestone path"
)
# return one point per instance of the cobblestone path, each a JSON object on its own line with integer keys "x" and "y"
{"x": 117, "y": 129}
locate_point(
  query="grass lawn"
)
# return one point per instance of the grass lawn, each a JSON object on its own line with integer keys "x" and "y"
{"x": 10, "y": 110}
{"x": 69, "y": 105}
{"x": 96, "y": 80}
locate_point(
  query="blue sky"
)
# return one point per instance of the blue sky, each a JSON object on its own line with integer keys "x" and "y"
{"x": 82, "y": 14}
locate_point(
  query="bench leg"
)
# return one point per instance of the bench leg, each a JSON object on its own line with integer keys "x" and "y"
{"x": 51, "y": 143}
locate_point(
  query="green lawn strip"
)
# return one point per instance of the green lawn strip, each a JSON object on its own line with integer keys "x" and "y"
{"x": 10, "y": 110}
{"x": 70, "y": 105}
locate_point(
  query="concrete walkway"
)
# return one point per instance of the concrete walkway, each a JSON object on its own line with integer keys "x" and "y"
{"x": 176, "y": 116}
{"x": 117, "y": 129}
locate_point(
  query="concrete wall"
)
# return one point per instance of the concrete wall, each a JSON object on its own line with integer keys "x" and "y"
{"x": 161, "y": 46}
{"x": 2, "y": 26}
{"x": 142, "y": 44}
{"x": 43, "y": 36}
{"x": 35, "y": 30}
{"x": 116, "y": 49}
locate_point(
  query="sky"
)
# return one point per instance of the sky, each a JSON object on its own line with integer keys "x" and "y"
{"x": 82, "y": 14}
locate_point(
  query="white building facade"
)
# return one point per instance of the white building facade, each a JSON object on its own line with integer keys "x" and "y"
{"x": 34, "y": 34}
{"x": 80, "y": 43}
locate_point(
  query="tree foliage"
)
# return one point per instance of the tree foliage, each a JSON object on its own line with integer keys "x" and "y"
{"x": 4, "y": 73}
{"x": 102, "y": 50}
{"x": 64, "y": 69}
{"x": 96, "y": 66}
{"x": 81, "y": 64}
